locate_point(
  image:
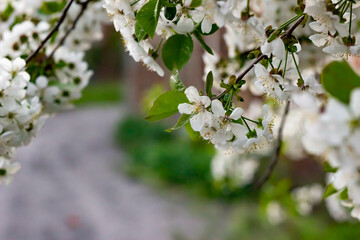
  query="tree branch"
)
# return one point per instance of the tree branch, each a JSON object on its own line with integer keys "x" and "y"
{"x": 261, "y": 56}
{"x": 242, "y": 75}
{"x": 52, "y": 32}
{"x": 276, "y": 155}
{"x": 73, "y": 26}
{"x": 293, "y": 27}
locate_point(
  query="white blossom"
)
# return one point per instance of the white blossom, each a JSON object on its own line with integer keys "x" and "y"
{"x": 7, "y": 170}
{"x": 269, "y": 83}
{"x": 196, "y": 108}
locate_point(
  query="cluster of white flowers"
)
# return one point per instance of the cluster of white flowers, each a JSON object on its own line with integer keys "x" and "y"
{"x": 227, "y": 130}
{"x": 52, "y": 80}
{"x": 277, "y": 81}
{"x": 20, "y": 114}
{"x": 7, "y": 169}
{"x": 332, "y": 22}
{"x": 335, "y": 135}
{"x": 184, "y": 17}
{"x": 248, "y": 33}
{"x": 245, "y": 32}
{"x": 122, "y": 13}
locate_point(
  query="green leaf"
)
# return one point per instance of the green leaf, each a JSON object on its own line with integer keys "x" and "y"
{"x": 195, "y": 136}
{"x": 209, "y": 83}
{"x": 330, "y": 190}
{"x": 329, "y": 168}
{"x": 148, "y": 16}
{"x": 139, "y": 32}
{"x": 175, "y": 81}
{"x": 339, "y": 80}
{"x": 344, "y": 195}
{"x": 195, "y": 3}
{"x": 166, "y": 105}
{"x": 169, "y": 3}
{"x": 214, "y": 28}
{"x": 183, "y": 120}
{"x": 177, "y": 51}
{"x": 51, "y": 7}
{"x": 5, "y": 14}
{"x": 202, "y": 42}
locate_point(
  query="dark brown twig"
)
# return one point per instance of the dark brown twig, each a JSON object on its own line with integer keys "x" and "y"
{"x": 73, "y": 26}
{"x": 293, "y": 27}
{"x": 243, "y": 74}
{"x": 276, "y": 155}
{"x": 52, "y": 32}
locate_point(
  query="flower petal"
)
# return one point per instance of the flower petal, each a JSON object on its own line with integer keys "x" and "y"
{"x": 355, "y": 102}
{"x": 198, "y": 121}
{"x": 236, "y": 114}
{"x": 205, "y": 100}
{"x": 206, "y": 25}
{"x": 192, "y": 94}
{"x": 278, "y": 48}
{"x": 217, "y": 108}
{"x": 185, "y": 108}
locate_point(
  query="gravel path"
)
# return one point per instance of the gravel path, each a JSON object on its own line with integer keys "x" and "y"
{"x": 69, "y": 189}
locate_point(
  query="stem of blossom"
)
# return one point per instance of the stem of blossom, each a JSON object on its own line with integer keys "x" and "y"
{"x": 351, "y": 9}
{"x": 251, "y": 120}
{"x": 276, "y": 155}
{"x": 159, "y": 45}
{"x": 52, "y": 32}
{"x": 290, "y": 21}
{"x": 61, "y": 42}
{"x": 248, "y": 6}
{"x": 343, "y": 9}
{"x": 270, "y": 61}
{"x": 297, "y": 67}
{"x": 229, "y": 102}
{"x": 286, "y": 60}
{"x": 244, "y": 120}
{"x": 341, "y": 6}
{"x": 338, "y": 2}
{"x": 134, "y": 3}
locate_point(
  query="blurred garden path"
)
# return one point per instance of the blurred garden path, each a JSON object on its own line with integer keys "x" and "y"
{"x": 69, "y": 188}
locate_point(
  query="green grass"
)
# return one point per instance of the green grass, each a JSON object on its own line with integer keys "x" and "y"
{"x": 100, "y": 93}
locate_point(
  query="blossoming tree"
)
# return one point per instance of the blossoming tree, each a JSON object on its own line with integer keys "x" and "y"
{"x": 42, "y": 71}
